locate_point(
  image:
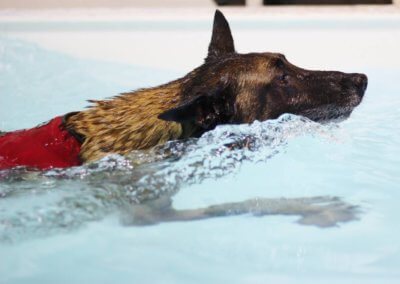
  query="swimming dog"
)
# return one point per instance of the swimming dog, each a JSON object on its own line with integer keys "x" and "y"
{"x": 229, "y": 88}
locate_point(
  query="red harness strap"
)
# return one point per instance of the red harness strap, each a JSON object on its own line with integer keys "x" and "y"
{"x": 43, "y": 147}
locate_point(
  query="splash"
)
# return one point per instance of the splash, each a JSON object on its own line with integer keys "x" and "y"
{"x": 41, "y": 203}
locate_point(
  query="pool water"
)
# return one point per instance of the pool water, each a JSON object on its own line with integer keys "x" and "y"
{"x": 75, "y": 225}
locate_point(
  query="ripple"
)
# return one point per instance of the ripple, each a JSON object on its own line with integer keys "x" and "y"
{"x": 66, "y": 199}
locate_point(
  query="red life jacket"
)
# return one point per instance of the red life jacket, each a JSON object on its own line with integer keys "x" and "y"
{"x": 43, "y": 147}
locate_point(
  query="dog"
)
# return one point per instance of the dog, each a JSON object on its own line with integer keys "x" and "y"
{"x": 229, "y": 88}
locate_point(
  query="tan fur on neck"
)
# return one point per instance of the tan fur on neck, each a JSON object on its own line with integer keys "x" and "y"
{"x": 127, "y": 122}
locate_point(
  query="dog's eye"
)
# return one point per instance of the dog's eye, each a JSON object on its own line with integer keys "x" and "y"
{"x": 283, "y": 78}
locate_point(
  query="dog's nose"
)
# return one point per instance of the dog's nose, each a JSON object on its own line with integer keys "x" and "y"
{"x": 361, "y": 81}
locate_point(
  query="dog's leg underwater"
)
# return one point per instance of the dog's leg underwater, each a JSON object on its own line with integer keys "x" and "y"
{"x": 321, "y": 211}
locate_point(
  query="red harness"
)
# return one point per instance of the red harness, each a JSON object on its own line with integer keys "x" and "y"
{"x": 43, "y": 147}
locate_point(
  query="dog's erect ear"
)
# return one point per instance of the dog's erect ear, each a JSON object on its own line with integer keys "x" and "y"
{"x": 205, "y": 110}
{"x": 221, "y": 40}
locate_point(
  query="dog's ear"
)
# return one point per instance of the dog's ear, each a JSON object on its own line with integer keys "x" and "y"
{"x": 205, "y": 110}
{"x": 221, "y": 40}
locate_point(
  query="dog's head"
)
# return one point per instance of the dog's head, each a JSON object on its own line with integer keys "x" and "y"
{"x": 241, "y": 88}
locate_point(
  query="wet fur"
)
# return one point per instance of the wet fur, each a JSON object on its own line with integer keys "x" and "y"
{"x": 127, "y": 122}
{"x": 228, "y": 88}
{"x": 130, "y": 121}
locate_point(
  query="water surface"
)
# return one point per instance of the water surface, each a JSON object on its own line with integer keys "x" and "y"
{"x": 67, "y": 225}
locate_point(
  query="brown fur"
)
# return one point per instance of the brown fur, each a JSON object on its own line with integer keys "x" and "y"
{"x": 127, "y": 122}
{"x": 228, "y": 88}
{"x": 130, "y": 121}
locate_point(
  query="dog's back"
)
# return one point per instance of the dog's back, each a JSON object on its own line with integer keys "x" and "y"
{"x": 127, "y": 122}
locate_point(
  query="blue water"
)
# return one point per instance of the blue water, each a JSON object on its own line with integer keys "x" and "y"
{"x": 68, "y": 227}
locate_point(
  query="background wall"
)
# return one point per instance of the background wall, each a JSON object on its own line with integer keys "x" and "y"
{"x": 40, "y": 4}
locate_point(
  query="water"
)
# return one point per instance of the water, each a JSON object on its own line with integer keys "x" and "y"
{"x": 71, "y": 226}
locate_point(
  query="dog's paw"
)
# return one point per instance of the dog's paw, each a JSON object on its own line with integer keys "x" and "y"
{"x": 330, "y": 213}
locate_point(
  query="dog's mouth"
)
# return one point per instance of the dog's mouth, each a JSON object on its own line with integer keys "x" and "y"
{"x": 334, "y": 111}
{"x": 328, "y": 112}
{"x": 350, "y": 97}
